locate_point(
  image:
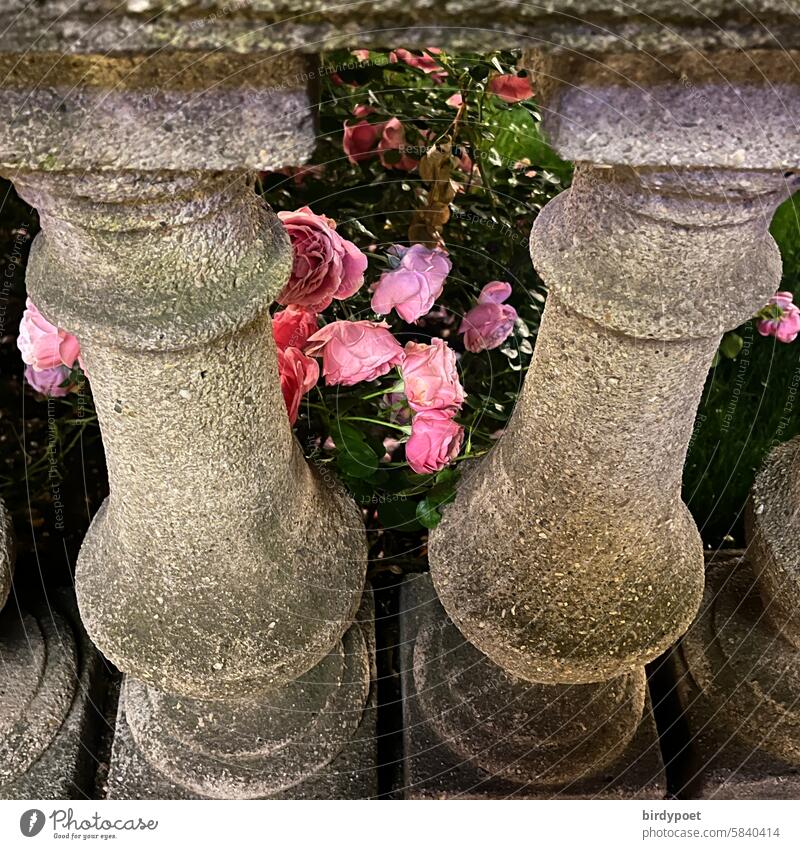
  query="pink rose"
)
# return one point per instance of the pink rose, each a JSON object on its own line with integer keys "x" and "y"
{"x": 455, "y": 100}
{"x": 425, "y": 63}
{"x": 298, "y": 374}
{"x": 44, "y": 346}
{"x": 48, "y": 381}
{"x": 511, "y": 88}
{"x": 431, "y": 377}
{"x": 414, "y": 285}
{"x": 393, "y": 137}
{"x": 292, "y": 327}
{"x": 490, "y": 322}
{"x": 434, "y": 442}
{"x": 325, "y": 266}
{"x": 780, "y": 318}
{"x": 360, "y": 140}
{"x": 465, "y": 162}
{"x": 353, "y": 351}
{"x": 361, "y": 55}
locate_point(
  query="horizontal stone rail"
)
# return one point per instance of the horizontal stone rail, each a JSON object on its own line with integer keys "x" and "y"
{"x": 247, "y": 26}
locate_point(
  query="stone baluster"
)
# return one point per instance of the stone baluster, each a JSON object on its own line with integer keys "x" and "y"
{"x": 568, "y": 557}
{"x": 738, "y": 668}
{"x": 222, "y": 575}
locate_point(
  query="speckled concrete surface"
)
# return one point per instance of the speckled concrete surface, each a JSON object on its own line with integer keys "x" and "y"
{"x": 656, "y": 26}
{"x": 737, "y": 669}
{"x": 48, "y": 734}
{"x": 471, "y": 731}
{"x": 348, "y": 773}
{"x": 586, "y": 564}
{"x": 739, "y": 733}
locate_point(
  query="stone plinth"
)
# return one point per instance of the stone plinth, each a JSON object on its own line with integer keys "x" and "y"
{"x": 472, "y": 731}
{"x": 349, "y": 773}
{"x": 54, "y": 677}
{"x": 723, "y": 763}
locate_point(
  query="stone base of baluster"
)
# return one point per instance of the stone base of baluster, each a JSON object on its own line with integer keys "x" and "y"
{"x": 350, "y": 775}
{"x": 719, "y": 706}
{"x": 435, "y": 769}
{"x": 60, "y": 721}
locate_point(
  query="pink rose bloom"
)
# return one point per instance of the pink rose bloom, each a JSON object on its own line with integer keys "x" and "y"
{"x": 465, "y": 162}
{"x": 361, "y": 111}
{"x": 298, "y": 374}
{"x": 393, "y": 137}
{"x": 325, "y": 266}
{"x": 786, "y": 324}
{"x": 490, "y": 322}
{"x": 434, "y": 442}
{"x": 360, "y": 140}
{"x": 425, "y": 63}
{"x": 511, "y": 88}
{"x": 48, "y": 381}
{"x": 431, "y": 377}
{"x": 44, "y": 346}
{"x": 292, "y": 327}
{"x": 361, "y": 55}
{"x": 455, "y": 100}
{"x": 414, "y": 285}
{"x": 353, "y": 351}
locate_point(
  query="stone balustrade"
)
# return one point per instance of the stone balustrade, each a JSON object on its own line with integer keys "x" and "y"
{"x": 221, "y": 575}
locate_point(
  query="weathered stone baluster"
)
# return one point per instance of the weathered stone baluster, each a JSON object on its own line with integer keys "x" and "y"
{"x": 221, "y": 573}
{"x": 738, "y": 668}
{"x": 586, "y": 564}
{"x": 568, "y": 556}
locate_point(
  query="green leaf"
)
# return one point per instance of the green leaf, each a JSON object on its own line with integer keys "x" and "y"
{"x": 517, "y": 136}
{"x": 785, "y": 227}
{"x": 448, "y": 475}
{"x": 354, "y": 456}
{"x": 731, "y": 345}
{"x": 428, "y": 515}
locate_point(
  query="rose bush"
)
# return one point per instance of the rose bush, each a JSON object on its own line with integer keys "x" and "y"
{"x": 409, "y": 320}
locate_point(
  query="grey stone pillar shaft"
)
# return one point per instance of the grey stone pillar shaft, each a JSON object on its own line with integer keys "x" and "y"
{"x": 600, "y": 569}
{"x": 221, "y": 568}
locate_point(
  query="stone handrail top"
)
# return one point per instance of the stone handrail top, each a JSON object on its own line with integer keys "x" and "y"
{"x": 243, "y": 26}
